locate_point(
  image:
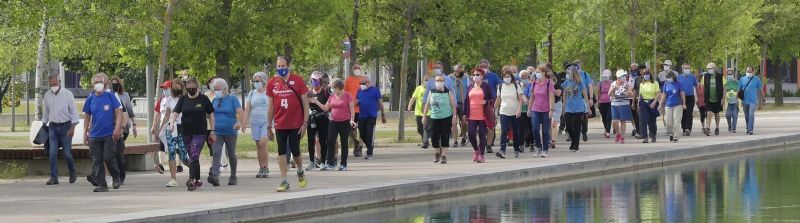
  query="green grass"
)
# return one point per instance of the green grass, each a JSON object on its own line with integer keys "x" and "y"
{"x": 785, "y": 107}
{"x": 21, "y": 108}
{"x": 11, "y": 170}
{"x": 15, "y": 142}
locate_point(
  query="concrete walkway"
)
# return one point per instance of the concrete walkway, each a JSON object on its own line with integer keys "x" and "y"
{"x": 392, "y": 174}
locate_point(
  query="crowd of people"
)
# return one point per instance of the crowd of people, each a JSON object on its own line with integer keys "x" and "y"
{"x": 532, "y": 107}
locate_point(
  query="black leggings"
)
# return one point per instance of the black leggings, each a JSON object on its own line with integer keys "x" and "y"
{"x": 288, "y": 138}
{"x": 320, "y": 130}
{"x": 440, "y": 132}
{"x": 574, "y": 122}
{"x": 525, "y": 130}
{"x": 605, "y": 113}
{"x": 366, "y": 131}
{"x": 423, "y": 130}
{"x": 342, "y": 129}
{"x": 688, "y": 118}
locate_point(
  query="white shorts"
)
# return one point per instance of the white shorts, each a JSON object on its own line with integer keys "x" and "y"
{"x": 557, "y": 109}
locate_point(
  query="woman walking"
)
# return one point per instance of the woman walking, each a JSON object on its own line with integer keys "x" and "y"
{"x": 341, "y": 106}
{"x": 542, "y": 106}
{"x": 256, "y": 115}
{"x": 129, "y": 126}
{"x": 318, "y": 121}
{"x": 621, "y": 92}
{"x": 509, "y": 105}
{"x": 731, "y": 92}
{"x": 576, "y": 103}
{"x": 673, "y": 104}
{"x": 172, "y": 138}
{"x": 649, "y": 93}
{"x": 196, "y": 114}
{"x": 604, "y": 101}
{"x": 478, "y": 111}
{"x": 227, "y": 120}
{"x": 442, "y": 106}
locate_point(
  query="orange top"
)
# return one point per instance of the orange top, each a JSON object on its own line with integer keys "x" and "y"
{"x": 352, "y": 85}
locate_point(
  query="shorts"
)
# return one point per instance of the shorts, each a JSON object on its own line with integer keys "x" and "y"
{"x": 714, "y": 107}
{"x": 621, "y": 113}
{"x": 558, "y": 108}
{"x": 258, "y": 131}
{"x": 288, "y": 138}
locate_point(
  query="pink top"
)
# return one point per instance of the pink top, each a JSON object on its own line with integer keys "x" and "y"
{"x": 541, "y": 96}
{"x": 604, "y": 87}
{"x": 475, "y": 106}
{"x": 340, "y": 107}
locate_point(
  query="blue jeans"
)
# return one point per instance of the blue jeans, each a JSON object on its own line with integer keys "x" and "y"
{"x": 509, "y": 123}
{"x": 749, "y": 115}
{"x": 731, "y": 115}
{"x": 57, "y": 134}
{"x": 541, "y": 120}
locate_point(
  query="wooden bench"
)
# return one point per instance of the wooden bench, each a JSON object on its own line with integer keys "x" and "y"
{"x": 138, "y": 157}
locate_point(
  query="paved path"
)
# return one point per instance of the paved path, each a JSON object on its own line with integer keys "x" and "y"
{"x": 31, "y": 201}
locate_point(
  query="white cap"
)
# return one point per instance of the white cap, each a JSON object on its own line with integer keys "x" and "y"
{"x": 668, "y": 62}
{"x": 621, "y": 73}
{"x": 607, "y": 73}
{"x": 316, "y": 75}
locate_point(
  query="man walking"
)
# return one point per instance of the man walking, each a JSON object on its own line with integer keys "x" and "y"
{"x": 103, "y": 125}
{"x": 61, "y": 117}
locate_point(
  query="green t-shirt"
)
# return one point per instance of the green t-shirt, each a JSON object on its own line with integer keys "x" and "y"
{"x": 419, "y": 105}
{"x": 712, "y": 91}
{"x": 731, "y": 90}
{"x": 440, "y": 104}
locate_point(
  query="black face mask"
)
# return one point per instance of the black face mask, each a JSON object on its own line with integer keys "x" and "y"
{"x": 191, "y": 91}
{"x": 116, "y": 87}
{"x": 177, "y": 92}
{"x": 460, "y": 74}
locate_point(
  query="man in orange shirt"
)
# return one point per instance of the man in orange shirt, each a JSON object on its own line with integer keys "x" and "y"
{"x": 351, "y": 85}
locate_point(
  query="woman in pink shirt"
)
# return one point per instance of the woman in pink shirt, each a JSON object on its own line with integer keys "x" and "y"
{"x": 341, "y": 107}
{"x": 542, "y": 100}
{"x": 478, "y": 110}
{"x": 605, "y": 102}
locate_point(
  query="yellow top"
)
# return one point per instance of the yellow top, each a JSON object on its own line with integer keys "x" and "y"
{"x": 649, "y": 90}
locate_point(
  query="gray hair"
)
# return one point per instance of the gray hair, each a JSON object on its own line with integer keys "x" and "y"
{"x": 263, "y": 76}
{"x": 222, "y": 83}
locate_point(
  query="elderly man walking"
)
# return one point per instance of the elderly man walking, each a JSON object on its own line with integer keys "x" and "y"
{"x": 61, "y": 116}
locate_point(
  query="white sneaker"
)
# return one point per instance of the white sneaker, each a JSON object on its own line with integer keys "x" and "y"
{"x": 544, "y": 154}
{"x": 172, "y": 183}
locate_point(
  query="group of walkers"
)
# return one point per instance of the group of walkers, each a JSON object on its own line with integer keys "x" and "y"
{"x": 532, "y": 107}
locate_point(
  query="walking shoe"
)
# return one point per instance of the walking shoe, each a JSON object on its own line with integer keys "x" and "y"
{"x": 262, "y": 173}
{"x": 552, "y": 144}
{"x": 489, "y": 149}
{"x": 190, "y": 185}
{"x": 198, "y": 184}
{"x": 686, "y": 132}
{"x": 283, "y": 187}
{"x": 294, "y": 165}
{"x": 544, "y": 154}
{"x": 159, "y": 168}
{"x": 115, "y": 184}
{"x": 52, "y": 181}
{"x": 368, "y": 157}
{"x": 585, "y": 138}
{"x": 101, "y": 189}
{"x": 342, "y": 168}
{"x": 501, "y": 155}
{"x": 622, "y": 140}
{"x": 646, "y": 141}
{"x": 436, "y": 157}
{"x": 463, "y": 141}
{"x": 733, "y": 131}
{"x": 675, "y": 140}
{"x": 301, "y": 179}
{"x": 481, "y": 159}
{"x": 707, "y": 131}
{"x": 533, "y": 148}
{"x": 91, "y": 180}
{"x": 716, "y": 131}
{"x": 172, "y": 183}
{"x": 179, "y": 169}
{"x": 607, "y": 135}
{"x": 475, "y": 156}
{"x": 213, "y": 180}
{"x": 750, "y": 132}
{"x": 653, "y": 139}
{"x": 233, "y": 181}
{"x": 671, "y": 138}
{"x": 616, "y": 140}
{"x": 72, "y": 178}
{"x": 444, "y": 160}
{"x": 455, "y": 143}
{"x": 538, "y": 154}
{"x": 326, "y": 167}
{"x": 312, "y": 166}
{"x": 516, "y": 154}
{"x": 425, "y": 145}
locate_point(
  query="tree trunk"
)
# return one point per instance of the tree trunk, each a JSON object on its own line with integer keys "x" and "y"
{"x": 395, "y": 100}
{"x": 602, "y": 38}
{"x": 162, "y": 59}
{"x": 222, "y": 56}
{"x": 410, "y": 14}
{"x": 149, "y": 86}
{"x": 42, "y": 68}
{"x": 778, "y": 85}
{"x": 633, "y": 29}
{"x": 354, "y": 37}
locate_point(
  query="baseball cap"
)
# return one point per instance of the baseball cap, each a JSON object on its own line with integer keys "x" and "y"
{"x": 166, "y": 84}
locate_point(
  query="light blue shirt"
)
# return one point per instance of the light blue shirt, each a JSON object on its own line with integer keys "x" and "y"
{"x": 573, "y": 95}
{"x": 751, "y": 92}
{"x": 258, "y": 102}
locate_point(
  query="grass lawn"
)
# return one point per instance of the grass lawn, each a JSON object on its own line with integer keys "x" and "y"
{"x": 785, "y": 107}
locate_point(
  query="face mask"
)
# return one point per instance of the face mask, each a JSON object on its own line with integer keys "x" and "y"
{"x": 437, "y": 71}
{"x": 476, "y": 78}
{"x": 116, "y": 86}
{"x": 485, "y": 70}
{"x": 568, "y": 77}
{"x": 666, "y": 68}
{"x": 605, "y": 78}
{"x": 670, "y": 80}
{"x": 439, "y": 84}
{"x": 357, "y": 72}
{"x": 166, "y": 92}
{"x": 99, "y": 87}
{"x": 459, "y": 74}
{"x": 507, "y": 80}
{"x": 687, "y": 71}
{"x": 185, "y": 78}
{"x": 526, "y": 81}
{"x": 315, "y": 83}
{"x": 538, "y": 76}
{"x": 283, "y": 72}
{"x": 646, "y": 77}
{"x": 363, "y": 87}
{"x": 191, "y": 91}
{"x": 177, "y": 92}
{"x": 258, "y": 85}
{"x": 711, "y": 71}
{"x": 217, "y": 94}
{"x": 750, "y": 74}
{"x": 54, "y": 88}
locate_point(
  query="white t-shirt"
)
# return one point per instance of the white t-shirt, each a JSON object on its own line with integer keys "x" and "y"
{"x": 168, "y": 104}
{"x": 509, "y": 95}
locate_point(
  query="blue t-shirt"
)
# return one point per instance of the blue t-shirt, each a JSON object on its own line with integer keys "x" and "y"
{"x": 688, "y": 83}
{"x": 225, "y": 114}
{"x": 431, "y": 84}
{"x": 492, "y": 80}
{"x": 368, "y": 102}
{"x": 586, "y": 79}
{"x": 573, "y": 95}
{"x": 673, "y": 92}
{"x": 751, "y": 92}
{"x": 102, "y": 109}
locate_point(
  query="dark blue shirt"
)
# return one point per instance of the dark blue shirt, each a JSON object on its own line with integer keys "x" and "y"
{"x": 673, "y": 93}
{"x": 492, "y": 80}
{"x": 102, "y": 109}
{"x": 688, "y": 83}
{"x": 368, "y": 102}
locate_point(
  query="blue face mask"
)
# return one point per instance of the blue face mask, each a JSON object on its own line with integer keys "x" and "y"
{"x": 257, "y": 85}
{"x": 217, "y": 94}
{"x": 315, "y": 82}
{"x": 283, "y": 72}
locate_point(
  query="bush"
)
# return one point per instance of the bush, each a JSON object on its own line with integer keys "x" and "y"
{"x": 11, "y": 171}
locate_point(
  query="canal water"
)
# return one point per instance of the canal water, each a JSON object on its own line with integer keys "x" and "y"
{"x": 761, "y": 187}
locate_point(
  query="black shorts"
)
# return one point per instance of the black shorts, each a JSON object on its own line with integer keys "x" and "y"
{"x": 288, "y": 139}
{"x": 714, "y": 107}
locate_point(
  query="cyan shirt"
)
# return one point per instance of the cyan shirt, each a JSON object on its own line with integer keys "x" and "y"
{"x": 431, "y": 84}
{"x": 440, "y": 104}
{"x": 225, "y": 114}
{"x": 258, "y": 111}
{"x": 751, "y": 92}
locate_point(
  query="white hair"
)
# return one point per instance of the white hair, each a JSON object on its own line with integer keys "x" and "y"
{"x": 222, "y": 83}
{"x": 263, "y": 76}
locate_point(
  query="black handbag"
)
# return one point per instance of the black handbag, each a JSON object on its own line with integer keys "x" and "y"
{"x": 42, "y": 136}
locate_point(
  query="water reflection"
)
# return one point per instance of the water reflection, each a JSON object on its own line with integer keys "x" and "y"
{"x": 760, "y": 188}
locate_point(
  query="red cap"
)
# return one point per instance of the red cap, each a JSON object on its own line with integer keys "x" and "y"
{"x": 166, "y": 84}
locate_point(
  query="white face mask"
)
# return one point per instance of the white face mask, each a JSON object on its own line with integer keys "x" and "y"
{"x": 687, "y": 71}
{"x": 438, "y": 71}
{"x": 357, "y": 72}
{"x": 750, "y": 74}
{"x": 363, "y": 87}
{"x": 669, "y": 80}
{"x": 605, "y": 78}
{"x": 439, "y": 84}
{"x": 730, "y": 76}
{"x": 666, "y": 68}
{"x": 99, "y": 87}
{"x": 54, "y": 88}
{"x": 711, "y": 71}
{"x": 538, "y": 76}
{"x": 507, "y": 80}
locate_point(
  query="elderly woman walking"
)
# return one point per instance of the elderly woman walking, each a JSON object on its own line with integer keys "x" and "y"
{"x": 227, "y": 120}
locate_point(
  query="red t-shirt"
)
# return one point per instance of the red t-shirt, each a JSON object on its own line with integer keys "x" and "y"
{"x": 287, "y": 110}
